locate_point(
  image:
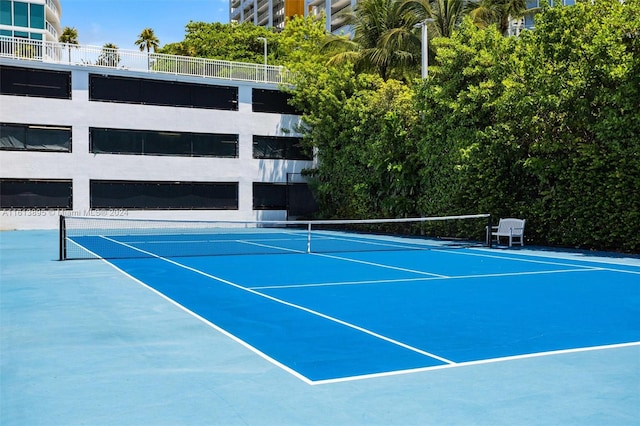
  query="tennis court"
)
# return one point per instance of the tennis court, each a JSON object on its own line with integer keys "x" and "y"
{"x": 405, "y": 312}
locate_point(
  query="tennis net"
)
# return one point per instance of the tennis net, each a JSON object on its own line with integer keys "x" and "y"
{"x": 112, "y": 238}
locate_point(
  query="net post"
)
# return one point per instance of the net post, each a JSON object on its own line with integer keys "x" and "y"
{"x": 308, "y": 238}
{"x": 63, "y": 238}
{"x": 489, "y": 227}
{"x": 286, "y": 196}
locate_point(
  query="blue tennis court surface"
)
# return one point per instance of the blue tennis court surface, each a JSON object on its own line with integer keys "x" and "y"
{"x": 346, "y": 315}
{"x": 408, "y": 337}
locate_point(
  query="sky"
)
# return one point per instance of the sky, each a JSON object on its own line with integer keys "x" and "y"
{"x": 121, "y": 21}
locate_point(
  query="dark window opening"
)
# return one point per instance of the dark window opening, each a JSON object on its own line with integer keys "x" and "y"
{"x": 34, "y": 82}
{"x": 279, "y": 147}
{"x": 35, "y": 193}
{"x": 164, "y": 195}
{"x": 300, "y": 201}
{"x": 269, "y": 196}
{"x": 296, "y": 198}
{"x": 146, "y": 142}
{"x": 159, "y": 92}
{"x": 32, "y": 137}
{"x": 272, "y": 101}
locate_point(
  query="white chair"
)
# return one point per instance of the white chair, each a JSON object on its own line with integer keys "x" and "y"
{"x": 509, "y": 228}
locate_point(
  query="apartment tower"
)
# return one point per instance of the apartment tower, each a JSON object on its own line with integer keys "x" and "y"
{"x": 30, "y": 19}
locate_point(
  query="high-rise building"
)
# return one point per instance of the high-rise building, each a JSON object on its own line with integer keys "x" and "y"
{"x": 526, "y": 22}
{"x": 273, "y": 13}
{"x": 265, "y": 13}
{"x": 30, "y": 19}
{"x": 332, "y": 9}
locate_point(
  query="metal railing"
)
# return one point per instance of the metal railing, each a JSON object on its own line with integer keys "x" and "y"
{"x": 51, "y": 29}
{"x": 94, "y": 56}
{"x": 53, "y": 7}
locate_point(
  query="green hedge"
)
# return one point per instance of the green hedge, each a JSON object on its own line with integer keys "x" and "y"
{"x": 544, "y": 126}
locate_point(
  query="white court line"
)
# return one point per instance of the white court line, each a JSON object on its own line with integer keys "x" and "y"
{"x": 575, "y": 259}
{"x": 273, "y": 247}
{"x": 400, "y": 280}
{"x": 302, "y": 238}
{"x": 377, "y": 242}
{"x": 449, "y": 363}
{"x": 214, "y": 326}
{"x": 204, "y": 320}
{"x": 81, "y": 247}
{"x": 624, "y": 271}
{"x": 380, "y": 265}
{"x": 479, "y": 362}
{"x": 293, "y": 305}
{"x": 543, "y": 262}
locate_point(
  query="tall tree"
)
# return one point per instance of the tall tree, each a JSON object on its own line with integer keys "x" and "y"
{"x": 499, "y": 13}
{"x": 384, "y": 39}
{"x": 299, "y": 43}
{"x": 548, "y": 121}
{"x": 70, "y": 37}
{"x": 446, "y": 14}
{"x": 147, "y": 40}
{"x": 228, "y": 42}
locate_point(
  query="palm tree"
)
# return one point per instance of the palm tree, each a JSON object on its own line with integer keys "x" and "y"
{"x": 446, "y": 14}
{"x": 70, "y": 37}
{"x": 383, "y": 40}
{"x": 500, "y": 13}
{"x": 441, "y": 16}
{"x": 148, "y": 40}
{"x": 109, "y": 56}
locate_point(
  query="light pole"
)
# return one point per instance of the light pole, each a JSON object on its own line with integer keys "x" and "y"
{"x": 425, "y": 46}
{"x": 264, "y": 41}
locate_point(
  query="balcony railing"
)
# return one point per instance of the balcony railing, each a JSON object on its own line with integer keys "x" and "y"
{"x": 94, "y": 56}
{"x": 53, "y": 7}
{"x": 51, "y": 29}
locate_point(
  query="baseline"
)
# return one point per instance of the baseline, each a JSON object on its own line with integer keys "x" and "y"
{"x": 478, "y": 362}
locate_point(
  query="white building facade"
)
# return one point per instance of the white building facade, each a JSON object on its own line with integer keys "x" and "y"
{"x": 100, "y": 141}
